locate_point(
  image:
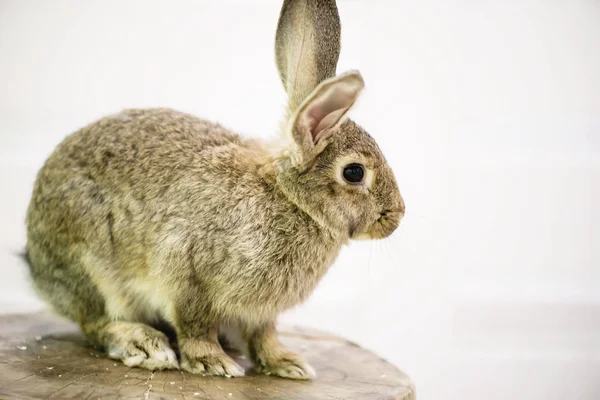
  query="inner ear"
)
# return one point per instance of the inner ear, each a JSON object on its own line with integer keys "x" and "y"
{"x": 329, "y": 107}
{"x": 319, "y": 123}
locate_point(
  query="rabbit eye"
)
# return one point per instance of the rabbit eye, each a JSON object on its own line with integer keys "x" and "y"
{"x": 354, "y": 173}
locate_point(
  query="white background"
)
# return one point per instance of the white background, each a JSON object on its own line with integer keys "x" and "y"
{"x": 489, "y": 113}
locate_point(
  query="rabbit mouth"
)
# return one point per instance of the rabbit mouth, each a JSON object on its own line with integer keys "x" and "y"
{"x": 383, "y": 227}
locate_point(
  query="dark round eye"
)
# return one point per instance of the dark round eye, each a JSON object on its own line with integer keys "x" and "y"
{"x": 354, "y": 173}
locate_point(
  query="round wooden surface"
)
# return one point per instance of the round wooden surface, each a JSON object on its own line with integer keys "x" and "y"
{"x": 42, "y": 356}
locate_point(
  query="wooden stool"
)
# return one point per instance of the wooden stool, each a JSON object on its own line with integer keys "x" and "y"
{"x": 42, "y": 356}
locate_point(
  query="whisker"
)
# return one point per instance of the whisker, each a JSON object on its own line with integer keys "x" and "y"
{"x": 390, "y": 253}
{"x": 370, "y": 257}
{"x": 391, "y": 242}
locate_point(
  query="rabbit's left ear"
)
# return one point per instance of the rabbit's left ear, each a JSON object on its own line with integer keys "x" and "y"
{"x": 307, "y": 48}
{"x": 321, "y": 113}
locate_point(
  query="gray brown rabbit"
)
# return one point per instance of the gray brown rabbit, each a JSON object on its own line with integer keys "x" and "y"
{"x": 154, "y": 214}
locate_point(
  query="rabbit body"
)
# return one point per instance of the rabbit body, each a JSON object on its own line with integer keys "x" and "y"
{"x": 162, "y": 202}
{"x": 151, "y": 216}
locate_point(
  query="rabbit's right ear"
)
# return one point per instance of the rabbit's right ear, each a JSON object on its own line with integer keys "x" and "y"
{"x": 320, "y": 114}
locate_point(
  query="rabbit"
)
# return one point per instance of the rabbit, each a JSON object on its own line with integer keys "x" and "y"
{"x": 154, "y": 215}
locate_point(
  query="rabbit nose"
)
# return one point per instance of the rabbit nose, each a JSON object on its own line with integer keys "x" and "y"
{"x": 396, "y": 212}
{"x": 401, "y": 207}
{"x": 388, "y": 221}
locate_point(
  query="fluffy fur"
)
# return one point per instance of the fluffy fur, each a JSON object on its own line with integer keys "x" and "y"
{"x": 153, "y": 214}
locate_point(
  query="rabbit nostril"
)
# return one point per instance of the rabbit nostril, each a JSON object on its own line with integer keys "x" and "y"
{"x": 383, "y": 216}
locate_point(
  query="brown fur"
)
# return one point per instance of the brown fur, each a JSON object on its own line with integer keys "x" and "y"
{"x": 154, "y": 215}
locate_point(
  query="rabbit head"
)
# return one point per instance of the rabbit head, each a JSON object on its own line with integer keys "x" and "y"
{"x": 331, "y": 167}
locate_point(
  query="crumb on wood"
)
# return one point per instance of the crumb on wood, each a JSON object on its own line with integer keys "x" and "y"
{"x": 147, "y": 392}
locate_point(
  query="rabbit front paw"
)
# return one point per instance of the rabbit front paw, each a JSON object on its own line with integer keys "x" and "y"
{"x": 139, "y": 345}
{"x": 198, "y": 357}
{"x": 289, "y": 365}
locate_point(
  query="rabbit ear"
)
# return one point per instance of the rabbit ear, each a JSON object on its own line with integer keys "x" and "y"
{"x": 307, "y": 46}
{"x": 319, "y": 115}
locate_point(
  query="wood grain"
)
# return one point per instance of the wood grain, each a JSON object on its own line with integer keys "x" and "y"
{"x": 42, "y": 356}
